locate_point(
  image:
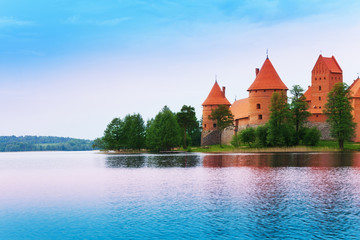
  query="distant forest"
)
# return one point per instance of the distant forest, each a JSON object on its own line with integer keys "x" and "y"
{"x": 39, "y": 143}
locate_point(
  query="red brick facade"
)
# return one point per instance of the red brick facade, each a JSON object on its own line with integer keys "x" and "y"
{"x": 254, "y": 110}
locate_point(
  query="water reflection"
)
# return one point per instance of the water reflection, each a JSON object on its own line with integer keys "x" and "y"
{"x": 153, "y": 161}
{"x": 283, "y": 160}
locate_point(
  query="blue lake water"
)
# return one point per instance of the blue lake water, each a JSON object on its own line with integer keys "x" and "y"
{"x": 86, "y": 195}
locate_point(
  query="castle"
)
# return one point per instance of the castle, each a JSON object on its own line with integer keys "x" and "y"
{"x": 254, "y": 110}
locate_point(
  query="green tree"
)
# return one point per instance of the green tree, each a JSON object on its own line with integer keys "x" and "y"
{"x": 223, "y": 118}
{"x": 311, "y": 136}
{"x": 163, "y": 132}
{"x": 338, "y": 109}
{"x": 298, "y": 108}
{"x": 280, "y": 131}
{"x": 235, "y": 140}
{"x": 114, "y": 135}
{"x": 261, "y": 133}
{"x": 186, "y": 119}
{"x": 134, "y": 131}
{"x": 248, "y": 136}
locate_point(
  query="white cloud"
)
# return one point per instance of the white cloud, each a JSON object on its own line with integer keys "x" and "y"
{"x": 10, "y": 21}
{"x": 76, "y": 19}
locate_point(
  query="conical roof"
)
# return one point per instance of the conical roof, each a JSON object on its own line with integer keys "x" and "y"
{"x": 216, "y": 97}
{"x": 267, "y": 78}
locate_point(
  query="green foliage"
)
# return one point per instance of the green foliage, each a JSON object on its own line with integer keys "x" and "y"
{"x": 99, "y": 143}
{"x": 280, "y": 132}
{"x": 123, "y": 134}
{"x": 134, "y": 130}
{"x": 235, "y": 140}
{"x": 114, "y": 135}
{"x": 311, "y": 136}
{"x": 261, "y": 135}
{"x": 338, "y": 110}
{"x": 42, "y": 143}
{"x": 195, "y": 135}
{"x": 163, "y": 132}
{"x": 248, "y": 136}
{"x": 223, "y": 118}
{"x": 298, "y": 108}
{"x": 186, "y": 119}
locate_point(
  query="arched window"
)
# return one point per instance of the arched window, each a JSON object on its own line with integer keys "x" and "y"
{"x": 258, "y": 106}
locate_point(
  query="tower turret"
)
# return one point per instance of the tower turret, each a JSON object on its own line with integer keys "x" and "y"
{"x": 215, "y": 98}
{"x": 267, "y": 82}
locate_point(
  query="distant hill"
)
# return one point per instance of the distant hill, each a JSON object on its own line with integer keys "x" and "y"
{"x": 41, "y": 143}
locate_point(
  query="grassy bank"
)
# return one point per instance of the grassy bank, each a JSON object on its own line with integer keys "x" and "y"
{"x": 323, "y": 146}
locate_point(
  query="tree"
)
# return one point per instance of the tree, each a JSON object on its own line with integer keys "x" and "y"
{"x": 186, "y": 119}
{"x": 298, "y": 108}
{"x": 280, "y": 131}
{"x": 134, "y": 131}
{"x": 338, "y": 109}
{"x": 113, "y": 135}
{"x": 163, "y": 132}
{"x": 223, "y": 118}
{"x": 248, "y": 136}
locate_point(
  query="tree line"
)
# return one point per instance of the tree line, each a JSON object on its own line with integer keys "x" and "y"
{"x": 161, "y": 133}
{"x": 287, "y": 125}
{"x": 43, "y": 143}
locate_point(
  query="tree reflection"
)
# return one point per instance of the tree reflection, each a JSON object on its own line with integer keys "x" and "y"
{"x": 126, "y": 161}
{"x": 165, "y": 161}
{"x": 153, "y": 161}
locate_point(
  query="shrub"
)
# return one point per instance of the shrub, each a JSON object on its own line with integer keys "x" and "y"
{"x": 235, "y": 141}
{"x": 311, "y": 136}
{"x": 247, "y": 136}
{"x": 261, "y": 135}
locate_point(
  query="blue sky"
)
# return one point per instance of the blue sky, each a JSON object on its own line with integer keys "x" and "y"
{"x": 68, "y": 67}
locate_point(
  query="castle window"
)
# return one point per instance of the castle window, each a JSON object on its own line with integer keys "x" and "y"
{"x": 264, "y": 90}
{"x": 260, "y": 117}
{"x": 256, "y": 91}
{"x": 315, "y": 78}
{"x": 319, "y": 98}
{"x": 214, "y": 125}
{"x": 317, "y": 115}
{"x": 319, "y": 106}
{"x": 204, "y": 125}
{"x": 319, "y": 78}
{"x": 258, "y": 106}
{"x": 319, "y": 88}
{"x": 324, "y": 78}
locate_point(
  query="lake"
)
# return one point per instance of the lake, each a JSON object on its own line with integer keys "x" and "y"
{"x": 87, "y": 195}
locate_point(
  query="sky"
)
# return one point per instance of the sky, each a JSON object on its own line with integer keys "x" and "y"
{"x": 68, "y": 67}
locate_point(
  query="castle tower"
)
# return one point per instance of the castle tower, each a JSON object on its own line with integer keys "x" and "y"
{"x": 267, "y": 82}
{"x": 324, "y": 75}
{"x": 215, "y": 98}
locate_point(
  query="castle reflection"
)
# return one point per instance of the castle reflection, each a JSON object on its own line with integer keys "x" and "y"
{"x": 282, "y": 160}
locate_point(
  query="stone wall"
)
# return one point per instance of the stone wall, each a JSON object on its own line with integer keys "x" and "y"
{"x": 324, "y": 128}
{"x": 213, "y": 137}
{"x": 210, "y": 137}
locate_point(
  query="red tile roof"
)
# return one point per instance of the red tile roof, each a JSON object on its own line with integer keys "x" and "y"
{"x": 355, "y": 88}
{"x": 307, "y": 94}
{"x": 240, "y": 108}
{"x": 332, "y": 64}
{"x": 216, "y": 97}
{"x": 267, "y": 78}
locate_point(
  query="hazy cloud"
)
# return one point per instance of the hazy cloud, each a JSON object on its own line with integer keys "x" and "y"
{"x": 76, "y": 19}
{"x": 10, "y": 21}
